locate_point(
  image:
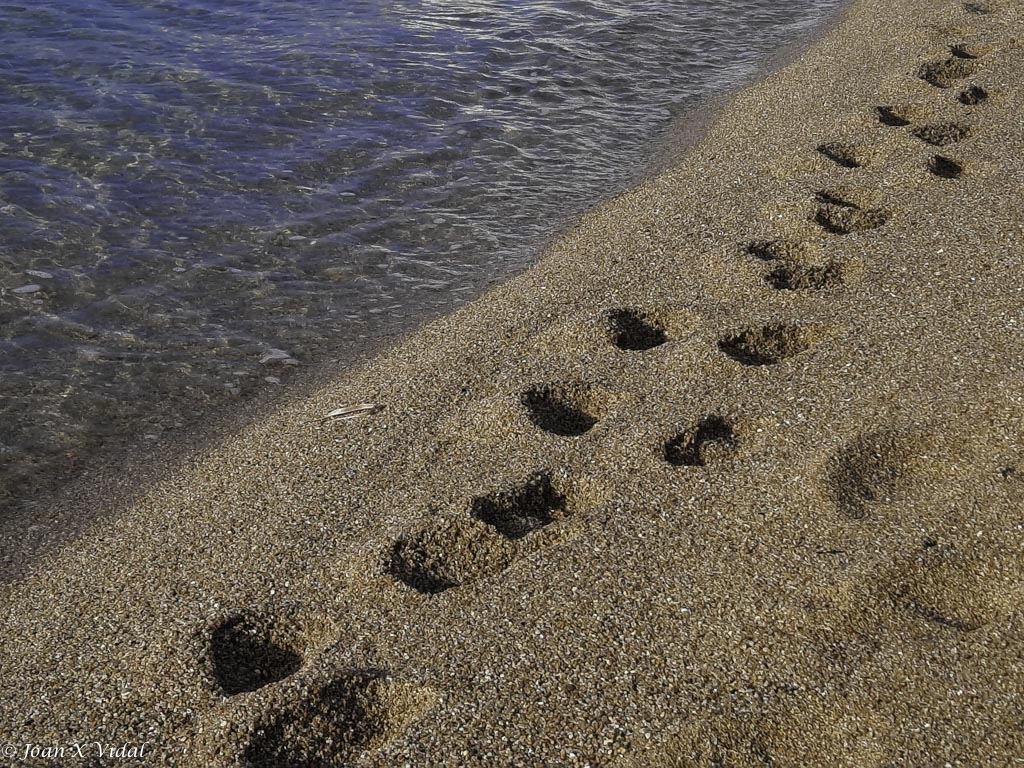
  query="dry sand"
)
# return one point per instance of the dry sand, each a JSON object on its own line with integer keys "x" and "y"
{"x": 733, "y": 477}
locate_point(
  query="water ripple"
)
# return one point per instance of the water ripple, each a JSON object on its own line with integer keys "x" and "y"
{"x": 200, "y": 182}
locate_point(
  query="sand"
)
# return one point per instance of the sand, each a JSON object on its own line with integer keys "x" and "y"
{"x": 733, "y": 476}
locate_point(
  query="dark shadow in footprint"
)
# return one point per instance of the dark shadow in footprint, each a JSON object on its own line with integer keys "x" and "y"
{"x": 566, "y": 409}
{"x": 876, "y": 468}
{"x": 945, "y": 167}
{"x": 844, "y": 154}
{"x": 948, "y": 587}
{"x": 710, "y": 439}
{"x": 249, "y": 651}
{"x": 839, "y": 215}
{"x": 970, "y": 50}
{"x": 946, "y": 73}
{"x": 450, "y": 554}
{"x": 795, "y": 251}
{"x": 500, "y": 528}
{"x": 334, "y": 724}
{"x": 635, "y": 330}
{"x": 429, "y": 560}
{"x": 942, "y": 134}
{"x": 973, "y": 95}
{"x": 522, "y": 510}
{"x": 803, "y": 277}
{"x": 981, "y": 9}
{"x": 770, "y": 344}
{"x": 894, "y": 116}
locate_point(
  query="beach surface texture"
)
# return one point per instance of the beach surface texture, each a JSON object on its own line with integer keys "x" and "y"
{"x": 734, "y": 476}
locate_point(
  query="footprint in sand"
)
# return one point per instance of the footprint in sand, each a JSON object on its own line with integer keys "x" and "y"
{"x": 842, "y": 212}
{"x": 498, "y": 530}
{"x": 805, "y": 251}
{"x": 800, "y": 277}
{"x": 797, "y": 265}
{"x": 945, "y": 167}
{"x": 846, "y": 154}
{"x": 711, "y": 439}
{"x": 251, "y": 649}
{"x": 941, "y": 134}
{"x": 955, "y": 588}
{"x": 332, "y": 723}
{"x": 898, "y": 115}
{"x": 972, "y": 95}
{"x": 877, "y": 469}
{"x": 947, "y": 72}
{"x": 772, "y": 343}
{"x": 568, "y": 409}
{"x": 980, "y": 9}
{"x": 634, "y": 330}
{"x": 971, "y": 49}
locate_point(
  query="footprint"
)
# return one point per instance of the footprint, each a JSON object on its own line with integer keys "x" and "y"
{"x": 502, "y": 527}
{"x": 945, "y": 167}
{"x": 842, "y": 213}
{"x": 951, "y": 588}
{"x": 971, "y": 49}
{"x": 897, "y": 115}
{"x": 972, "y": 95}
{"x": 946, "y": 73}
{"x": 875, "y": 469}
{"x": 447, "y": 555}
{"x": 942, "y": 134}
{"x": 710, "y": 439}
{"x": 522, "y": 510}
{"x": 980, "y": 9}
{"x": 789, "y": 250}
{"x": 771, "y": 343}
{"x": 568, "y": 409}
{"x": 847, "y": 154}
{"x": 251, "y": 649}
{"x": 803, "y": 277}
{"x": 634, "y": 330}
{"x": 336, "y": 722}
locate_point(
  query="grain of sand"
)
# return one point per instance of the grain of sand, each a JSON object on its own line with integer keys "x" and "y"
{"x": 733, "y": 476}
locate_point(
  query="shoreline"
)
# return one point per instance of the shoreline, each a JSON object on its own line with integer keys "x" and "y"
{"x": 732, "y": 475}
{"x": 54, "y": 517}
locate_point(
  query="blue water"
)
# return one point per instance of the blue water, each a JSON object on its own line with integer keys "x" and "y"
{"x": 186, "y": 186}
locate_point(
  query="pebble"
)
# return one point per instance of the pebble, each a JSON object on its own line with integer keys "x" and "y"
{"x": 40, "y": 274}
{"x": 30, "y": 288}
{"x": 275, "y": 355}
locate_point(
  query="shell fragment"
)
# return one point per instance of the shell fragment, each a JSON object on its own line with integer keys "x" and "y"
{"x": 352, "y": 411}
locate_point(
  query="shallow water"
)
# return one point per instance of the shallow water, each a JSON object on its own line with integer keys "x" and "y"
{"x": 186, "y": 187}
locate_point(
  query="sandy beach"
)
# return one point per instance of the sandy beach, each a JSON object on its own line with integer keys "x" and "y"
{"x": 734, "y": 476}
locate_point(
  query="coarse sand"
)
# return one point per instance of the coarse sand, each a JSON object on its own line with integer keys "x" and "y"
{"x": 734, "y": 476}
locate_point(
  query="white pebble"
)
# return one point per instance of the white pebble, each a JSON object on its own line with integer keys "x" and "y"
{"x": 274, "y": 355}
{"x": 39, "y": 273}
{"x": 30, "y": 288}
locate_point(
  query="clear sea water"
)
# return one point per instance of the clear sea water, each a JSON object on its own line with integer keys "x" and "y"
{"x": 199, "y": 197}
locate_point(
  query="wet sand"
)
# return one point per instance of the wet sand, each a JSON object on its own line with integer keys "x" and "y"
{"x": 733, "y": 476}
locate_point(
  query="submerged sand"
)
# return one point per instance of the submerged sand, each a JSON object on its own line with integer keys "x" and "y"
{"x": 733, "y": 476}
